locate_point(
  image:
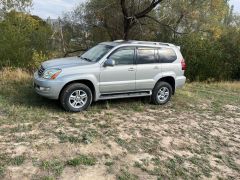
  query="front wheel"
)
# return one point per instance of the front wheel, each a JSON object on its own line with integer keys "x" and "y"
{"x": 162, "y": 93}
{"x": 76, "y": 97}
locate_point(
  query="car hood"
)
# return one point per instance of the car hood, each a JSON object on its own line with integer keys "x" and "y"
{"x": 65, "y": 63}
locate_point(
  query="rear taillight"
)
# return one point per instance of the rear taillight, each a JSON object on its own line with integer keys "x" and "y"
{"x": 184, "y": 65}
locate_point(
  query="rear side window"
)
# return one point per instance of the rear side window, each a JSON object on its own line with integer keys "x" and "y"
{"x": 167, "y": 55}
{"x": 146, "y": 56}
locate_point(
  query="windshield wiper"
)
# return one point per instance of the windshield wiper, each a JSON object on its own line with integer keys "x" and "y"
{"x": 86, "y": 59}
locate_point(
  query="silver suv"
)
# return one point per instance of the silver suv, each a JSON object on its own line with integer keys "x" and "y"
{"x": 111, "y": 70}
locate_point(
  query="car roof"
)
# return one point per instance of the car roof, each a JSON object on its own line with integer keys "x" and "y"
{"x": 140, "y": 43}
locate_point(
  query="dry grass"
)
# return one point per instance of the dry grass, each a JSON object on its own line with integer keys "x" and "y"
{"x": 195, "y": 136}
{"x": 229, "y": 85}
{"x": 13, "y": 74}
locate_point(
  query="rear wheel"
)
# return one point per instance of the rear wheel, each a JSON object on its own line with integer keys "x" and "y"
{"x": 162, "y": 93}
{"x": 76, "y": 97}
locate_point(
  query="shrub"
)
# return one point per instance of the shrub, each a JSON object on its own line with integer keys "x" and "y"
{"x": 212, "y": 59}
{"x": 24, "y": 38}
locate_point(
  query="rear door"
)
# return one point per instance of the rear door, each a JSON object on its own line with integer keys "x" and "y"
{"x": 147, "y": 68}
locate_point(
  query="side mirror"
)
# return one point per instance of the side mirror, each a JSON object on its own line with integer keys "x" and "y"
{"x": 109, "y": 62}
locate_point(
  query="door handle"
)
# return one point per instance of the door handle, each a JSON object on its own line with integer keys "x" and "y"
{"x": 156, "y": 67}
{"x": 131, "y": 69}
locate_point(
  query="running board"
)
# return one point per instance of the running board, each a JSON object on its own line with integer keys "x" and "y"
{"x": 125, "y": 95}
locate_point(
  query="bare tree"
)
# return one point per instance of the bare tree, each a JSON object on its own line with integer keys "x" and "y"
{"x": 131, "y": 19}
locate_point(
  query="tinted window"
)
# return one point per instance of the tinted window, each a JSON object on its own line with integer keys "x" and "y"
{"x": 167, "y": 55}
{"x": 146, "y": 56}
{"x": 123, "y": 56}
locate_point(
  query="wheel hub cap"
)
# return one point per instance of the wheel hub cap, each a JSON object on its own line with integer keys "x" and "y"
{"x": 78, "y": 99}
{"x": 163, "y": 94}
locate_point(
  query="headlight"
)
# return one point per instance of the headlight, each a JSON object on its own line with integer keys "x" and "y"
{"x": 51, "y": 73}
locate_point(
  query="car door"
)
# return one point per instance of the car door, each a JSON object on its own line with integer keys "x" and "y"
{"x": 147, "y": 68}
{"x": 122, "y": 76}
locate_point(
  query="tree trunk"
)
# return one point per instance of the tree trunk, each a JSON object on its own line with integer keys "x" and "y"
{"x": 127, "y": 27}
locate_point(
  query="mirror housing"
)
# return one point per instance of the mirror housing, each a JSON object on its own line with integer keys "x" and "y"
{"x": 109, "y": 62}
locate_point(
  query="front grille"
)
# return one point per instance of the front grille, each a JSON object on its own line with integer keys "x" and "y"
{"x": 41, "y": 71}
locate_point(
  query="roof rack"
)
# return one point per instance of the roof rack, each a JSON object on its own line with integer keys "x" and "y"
{"x": 144, "y": 42}
{"x": 119, "y": 41}
{"x": 151, "y": 42}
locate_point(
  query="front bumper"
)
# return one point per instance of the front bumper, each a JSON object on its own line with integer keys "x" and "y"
{"x": 47, "y": 88}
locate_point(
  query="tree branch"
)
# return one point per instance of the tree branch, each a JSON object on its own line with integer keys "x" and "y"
{"x": 148, "y": 9}
{"x": 179, "y": 20}
{"x": 165, "y": 25}
{"x": 130, "y": 20}
{"x": 70, "y": 52}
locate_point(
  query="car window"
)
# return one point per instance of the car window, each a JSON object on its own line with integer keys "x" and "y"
{"x": 146, "y": 56}
{"x": 123, "y": 56}
{"x": 167, "y": 55}
{"x": 97, "y": 52}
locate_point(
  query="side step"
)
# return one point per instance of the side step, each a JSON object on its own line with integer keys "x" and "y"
{"x": 125, "y": 95}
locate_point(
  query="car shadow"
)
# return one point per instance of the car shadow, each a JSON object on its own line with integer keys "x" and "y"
{"x": 27, "y": 97}
{"x": 124, "y": 102}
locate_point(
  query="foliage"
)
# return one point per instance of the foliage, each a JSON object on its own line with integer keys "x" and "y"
{"x": 230, "y": 41}
{"x": 18, "y": 5}
{"x": 22, "y": 37}
{"x": 37, "y": 59}
{"x": 212, "y": 59}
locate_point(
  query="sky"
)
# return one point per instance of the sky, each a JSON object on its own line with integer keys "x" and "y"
{"x": 55, "y": 8}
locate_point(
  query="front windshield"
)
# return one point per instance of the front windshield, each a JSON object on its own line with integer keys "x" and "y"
{"x": 96, "y": 53}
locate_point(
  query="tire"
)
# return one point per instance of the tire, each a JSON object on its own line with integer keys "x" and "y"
{"x": 76, "y": 97}
{"x": 161, "y": 98}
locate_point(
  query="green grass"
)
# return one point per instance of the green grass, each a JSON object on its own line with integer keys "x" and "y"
{"x": 18, "y": 160}
{"x": 82, "y": 160}
{"x": 54, "y": 167}
{"x": 68, "y": 138}
{"x": 125, "y": 175}
{"x": 2, "y": 170}
{"x": 47, "y": 178}
{"x": 6, "y": 160}
{"x": 109, "y": 163}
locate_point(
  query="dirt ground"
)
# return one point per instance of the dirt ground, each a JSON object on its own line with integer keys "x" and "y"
{"x": 195, "y": 136}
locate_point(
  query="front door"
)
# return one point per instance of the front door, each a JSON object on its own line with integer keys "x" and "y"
{"x": 120, "y": 77}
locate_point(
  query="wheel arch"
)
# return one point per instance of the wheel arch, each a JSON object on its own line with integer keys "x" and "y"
{"x": 170, "y": 80}
{"x": 82, "y": 81}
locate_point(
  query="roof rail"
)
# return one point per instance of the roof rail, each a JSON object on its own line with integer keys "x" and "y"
{"x": 142, "y": 42}
{"x": 167, "y": 44}
{"x": 150, "y": 42}
{"x": 119, "y": 41}
{"x": 145, "y": 42}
